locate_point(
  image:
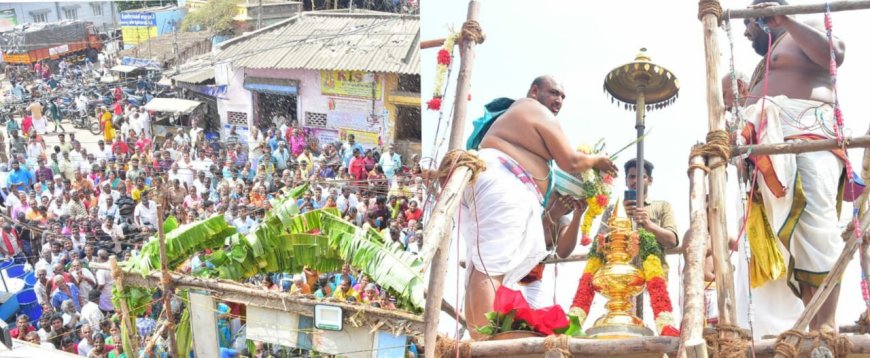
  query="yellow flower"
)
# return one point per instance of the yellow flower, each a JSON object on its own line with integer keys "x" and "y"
{"x": 664, "y": 319}
{"x": 652, "y": 267}
{"x": 592, "y": 265}
{"x": 585, "y": 148}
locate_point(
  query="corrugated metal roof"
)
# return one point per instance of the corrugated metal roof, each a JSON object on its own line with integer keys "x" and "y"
{"x": 196, "y": 75}
{"x": 360, "y": 41}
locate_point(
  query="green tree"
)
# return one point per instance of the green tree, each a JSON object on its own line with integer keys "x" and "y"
{"x": 217, "y": 16}
{"x": 131, "y": 5}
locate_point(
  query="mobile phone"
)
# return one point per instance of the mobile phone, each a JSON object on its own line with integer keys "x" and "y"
{"x": 631, "y": 194}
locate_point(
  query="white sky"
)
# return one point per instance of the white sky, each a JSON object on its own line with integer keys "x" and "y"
{"x": 579, "y": 42}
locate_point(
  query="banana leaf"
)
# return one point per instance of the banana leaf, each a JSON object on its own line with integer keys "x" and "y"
{"x": 181, "y": 243}
{"x": 171, "y": 223}
{"x": 183, "y": 333}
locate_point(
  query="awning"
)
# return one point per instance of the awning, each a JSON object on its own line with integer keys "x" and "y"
{"x": 124, "y": 68}
{"x": 196, "y": 76}
{"x": 272, "y": 85}
{"x": 172, "y": 105}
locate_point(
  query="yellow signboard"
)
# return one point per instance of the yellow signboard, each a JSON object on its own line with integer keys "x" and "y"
{"x": 351, "y": 84}
{"x": 137, "y": 34}
{"x": 365, "y": 139}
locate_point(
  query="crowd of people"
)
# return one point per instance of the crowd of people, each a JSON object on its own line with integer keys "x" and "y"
{"x": 76, "y": 202}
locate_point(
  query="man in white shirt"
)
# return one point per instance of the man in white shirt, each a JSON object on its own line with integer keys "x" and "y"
{"x": 104, "y": 284}
{"x": 84, "y": 279}
{"x": 40, "y": 287}
{"x": 87, "y": 343}
{"x": 91, "y": 314}
{"x": 145, "y": 214}
{"x": 346, "y": 200}
{"x": 145, "y": 120}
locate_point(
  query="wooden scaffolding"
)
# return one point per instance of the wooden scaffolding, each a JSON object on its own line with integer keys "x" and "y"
{"x": 706, "y": 171}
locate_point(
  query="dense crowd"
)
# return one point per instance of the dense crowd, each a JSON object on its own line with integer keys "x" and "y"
{"x": 74, "y": 203}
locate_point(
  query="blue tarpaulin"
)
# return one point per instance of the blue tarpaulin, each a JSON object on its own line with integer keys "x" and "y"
{"x": 139, "y": 62}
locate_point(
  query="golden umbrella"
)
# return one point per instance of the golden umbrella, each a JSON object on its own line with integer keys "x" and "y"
{"x": 641, "y": 86}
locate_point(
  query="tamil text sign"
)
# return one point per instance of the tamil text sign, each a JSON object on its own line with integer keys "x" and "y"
{"x": 144, "y": 19}
{"x": 351, "y": 84}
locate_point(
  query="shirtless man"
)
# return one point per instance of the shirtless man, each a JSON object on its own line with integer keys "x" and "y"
{"x": 501, "y": 215}
{"x": 799, "y": 71}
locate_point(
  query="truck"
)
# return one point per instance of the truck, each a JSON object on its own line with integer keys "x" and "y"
{"x": 30, "y": 43}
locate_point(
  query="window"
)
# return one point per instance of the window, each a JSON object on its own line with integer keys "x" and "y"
{"x": 71, "y": 14}
{"x": 408, "y": 123}
{"x": 315, "y": 119}
{"x": 39, "y": 17}
{"x": 237, "y": 118}
{"x": 97, "y": 8}
{"x": 409, "y": 83}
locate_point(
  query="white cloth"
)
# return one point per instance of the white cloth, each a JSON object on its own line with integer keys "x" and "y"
{"x": 104, "y": 279}
{"x": 815, "y": 242}
{"x": 501, "y": 223}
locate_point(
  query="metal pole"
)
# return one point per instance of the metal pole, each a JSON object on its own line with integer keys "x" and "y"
{"x": 641, "y": 171}
{"x": 641, "y": 128}
{"x": 177, "y": 52}
{"x": 259, "y": 13}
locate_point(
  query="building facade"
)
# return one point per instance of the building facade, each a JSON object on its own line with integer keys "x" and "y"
{"x": 139, "y": 25}
{"x": 103, "y": 14}
{"x": 337, "y": 82}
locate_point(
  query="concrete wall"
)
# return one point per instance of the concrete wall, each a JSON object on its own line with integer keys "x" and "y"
{"x": 85, "y": 12}
{"x": 346, "y": 112}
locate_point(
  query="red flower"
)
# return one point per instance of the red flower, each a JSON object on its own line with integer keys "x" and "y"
{"x": 602, "y": 200}
{"x": 434, "y": 104}
{"x": 659, "y": 299}
{"x": 507, "y": 299}
{"x": 585, "y": 293}
{"x": 669, "y": 331}
{"x": 549, "y": 319}
{"x": 469, "y": 97}
{"x": 586, "y": 240}
{"x": 601, "y": 241}
{"x": 608, "y": 179}
{"x": 443, "y": 57}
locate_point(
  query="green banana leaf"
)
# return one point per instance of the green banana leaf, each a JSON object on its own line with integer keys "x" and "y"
{"x": 183, "y": 334}
{"x": 287, "y": 241}
{"x": 171, "y": 223}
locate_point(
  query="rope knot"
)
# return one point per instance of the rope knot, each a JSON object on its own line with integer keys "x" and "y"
{"x": 460, "y": 158}
{"x": 556, "y": 346}
{"x": 710, "y": 7}
{"x": 472, "y": 31}
{"x": 734, "y": 344}
{"x": 449, "y": 348}
{"x": 717, "y": 146}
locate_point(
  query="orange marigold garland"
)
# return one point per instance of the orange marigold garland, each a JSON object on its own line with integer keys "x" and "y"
{"x": 445, "y": 57}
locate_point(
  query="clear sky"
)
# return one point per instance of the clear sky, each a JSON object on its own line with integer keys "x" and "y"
{"x": 579, "y": 42}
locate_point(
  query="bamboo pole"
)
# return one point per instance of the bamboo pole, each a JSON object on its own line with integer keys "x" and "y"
{"x": 118, "y": 281}
{"x": 767, "y": 347}
{"x": 716, "y": 205}
{"x": 432, "y": 43}
{"x": 692, "y": 326}
{"x": 153, "y": 340}
{"x": 797, "y": 9}
{"x": 463, "y": 88}
{"x": 799, "y": 147}
{"x": 578, "y": 347}
{"x": 167, "y": 283}
{"x": 457, "y": 136}
{"x": 440, "y": 224}
{"x": 828, "y": 284}
{"x": 302, "y": 305}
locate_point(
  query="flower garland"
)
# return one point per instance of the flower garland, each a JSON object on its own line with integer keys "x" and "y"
{"x": 445, "y": 56}
{"x": 644, "y": 243}
{"x": 597, "y": 187}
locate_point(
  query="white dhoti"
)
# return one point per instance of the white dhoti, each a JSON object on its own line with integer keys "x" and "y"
{"x": 800, "y": 196}
{"x": 500, "y": 219}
